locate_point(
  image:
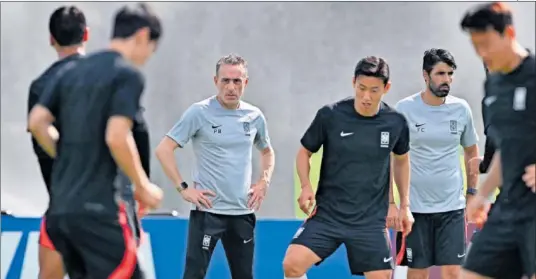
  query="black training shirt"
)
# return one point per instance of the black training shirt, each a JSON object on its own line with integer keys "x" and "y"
{"x": 83, "y": 96}
{"x": 36, "y": 90}
{"x": 510, "y": 108}
{"x": 353, "y": 189}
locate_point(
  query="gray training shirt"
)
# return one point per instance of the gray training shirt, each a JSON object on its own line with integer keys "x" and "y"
{"x": 222, "y": 142}
{"x": 436, "y": 133}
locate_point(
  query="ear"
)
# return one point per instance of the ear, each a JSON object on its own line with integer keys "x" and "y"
{"x": 246, "y": 81}
{"x": 85, "y": 38}
{"x": 354, "y": 81}
{"x": 142, "y": 35}
{"x": 52, "y": 41}
{"x": 387, "y": 87}
{"x": 425, "y": 75}
{"x": 216, "y": 80}
{"x": 510, "y": 32}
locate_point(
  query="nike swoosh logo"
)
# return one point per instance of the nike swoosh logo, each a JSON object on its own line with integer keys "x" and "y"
{"x": 386, "y": 260}
{"x": 215, "y": 126}
{"x": 248, "y": 240}
{"x": 419, "y": 125}
{"x": 343, "y": 134}
{"x": 461, "y": 256}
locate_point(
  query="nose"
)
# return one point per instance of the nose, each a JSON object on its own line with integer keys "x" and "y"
{"x": 366, "y": 95}
{"x": 447, "y": 79}
{"x": 230, "y": 86}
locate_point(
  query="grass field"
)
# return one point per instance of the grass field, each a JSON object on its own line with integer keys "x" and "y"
{"x": 314, "y": 175}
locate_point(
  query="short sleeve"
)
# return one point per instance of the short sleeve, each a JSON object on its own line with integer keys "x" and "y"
{"x": 51, "y": 94}
{"x": 315, "y": 135}
{"x": 399, "y": 106}
{"x": 128, "y": 87}
{"x": 32, "y": 97}
{"x": 187, "y": 126}
{"x": 402, "y": 144}
{"x": 262, "y": 138}
{"x": 469, "y": 135}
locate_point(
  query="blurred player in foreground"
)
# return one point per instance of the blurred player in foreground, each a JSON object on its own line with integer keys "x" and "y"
{"x": 358, "y": 136}
{"x": 223, "y": 130}
{"x": 506, "y": 246}
{"x": 480, "y": 165}
{"x": 439, "y": 123}
{"x": 68, "y": 33}
{"x": 95, "y": 100}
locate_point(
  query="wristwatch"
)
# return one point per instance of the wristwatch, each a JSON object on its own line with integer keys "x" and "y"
{"x": 182, "y": 187}
{"x": 471, "y": 191}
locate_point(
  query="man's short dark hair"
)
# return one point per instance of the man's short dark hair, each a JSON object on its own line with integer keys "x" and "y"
{"x": 67, "y": 25}
{"x": 436, "y": 55}
{"x": 485, "y": 16}
{"x": 128, "y": 20}
{"x": 232, "y": 59}
{"x": 373, "y": 66}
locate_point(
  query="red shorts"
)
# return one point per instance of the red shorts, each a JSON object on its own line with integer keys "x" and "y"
{"x": 44, "y": 240}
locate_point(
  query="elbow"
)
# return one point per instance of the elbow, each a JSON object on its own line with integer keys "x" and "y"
{"x": 471, "y": 151}
{"x": 269, "y": 152}
{"x": 160, "y": 152}
{"x": 163, "y": 149}
{"x": 33, "y": 123}
{"x": 33, "y": 126}
{"x": 114, "y": 139}
{"x": 303, "y": 155}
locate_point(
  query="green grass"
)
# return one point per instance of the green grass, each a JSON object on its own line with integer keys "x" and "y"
{"x": 315, "y": 173}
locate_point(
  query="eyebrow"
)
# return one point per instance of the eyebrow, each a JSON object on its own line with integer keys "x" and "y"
{"x": 371, "y": 87}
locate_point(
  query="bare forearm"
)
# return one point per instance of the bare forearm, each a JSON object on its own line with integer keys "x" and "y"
{"x": 402, "y": 175}
{"x": 267, "y": 165}
{"x": 169, "y": 165}
{"x": 471, "y": 177}
{"x": 125, "y": 154}
{"x": 303, "y": 167}
{"x": 45, "y": 138}
{"x": 494, "y": 178}
{"x": 391, "y": 184}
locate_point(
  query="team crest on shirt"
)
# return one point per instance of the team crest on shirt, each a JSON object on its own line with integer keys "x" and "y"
{"x": 520, "y": 99}
{"x": 384, "y": 139}
{"x": 206, "y": 242}
{"x": 246, "y": 128}
{"x": 454, "y": 127}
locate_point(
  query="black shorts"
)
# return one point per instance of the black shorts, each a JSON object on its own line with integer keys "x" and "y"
{"x": 96, "y": 246}
{"x": 367, "y": 249}
{"x": 237, "y": 233}
{"x": 436, "y": 239}
{"x": 503, "y": 249}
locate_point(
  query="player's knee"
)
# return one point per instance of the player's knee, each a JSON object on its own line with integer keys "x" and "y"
{"x": 466, "y": 274}
{"x": 293, "y": 267}
{"x": 298, "y": 260}
{"x": 379, "y": 274}
{"x": 418, "y": 273}
{"x": 450, "y": 272}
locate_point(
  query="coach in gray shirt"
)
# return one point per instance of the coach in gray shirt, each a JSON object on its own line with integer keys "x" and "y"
{"x": 439, "y": 125}
{"x": 223, "y": 129}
